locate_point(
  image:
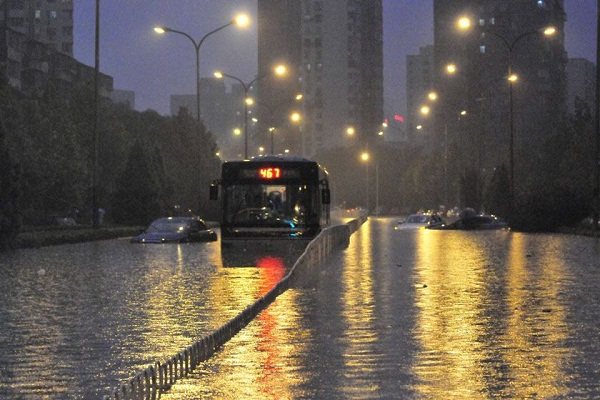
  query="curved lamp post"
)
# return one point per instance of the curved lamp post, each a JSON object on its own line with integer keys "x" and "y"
{"x": 464, "y": 24}
{"x": 279, "y": 70}
{"x": 240, "y": 20}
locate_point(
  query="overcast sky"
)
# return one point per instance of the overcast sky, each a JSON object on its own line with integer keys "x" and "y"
{"x": 157, "y": 66}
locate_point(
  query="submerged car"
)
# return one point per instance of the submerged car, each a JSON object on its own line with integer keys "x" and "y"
{"x": 419, "y": 221}
{"x": 177, "y": 230}
{"x": 474, "y": 222}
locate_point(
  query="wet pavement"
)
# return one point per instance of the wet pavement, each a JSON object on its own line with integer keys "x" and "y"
{"x": 425, "y": 314}
{"x": 78, "y": 320}
{"x": 398, "y": 314}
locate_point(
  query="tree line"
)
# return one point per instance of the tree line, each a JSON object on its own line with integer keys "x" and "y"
{"x": 148, "y": 165}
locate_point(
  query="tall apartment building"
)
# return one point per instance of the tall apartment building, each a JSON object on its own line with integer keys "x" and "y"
{"x": 506, "y": 34}
{"x": 581, "y": 84}
{"x": 46, "y": 21}
{"x": 221, "y": 111}
{"x": 36, "y": 47}
{"x": 279, "y": 42}
{"x": 336, "y": 49}
{"x": 419, "y": 83}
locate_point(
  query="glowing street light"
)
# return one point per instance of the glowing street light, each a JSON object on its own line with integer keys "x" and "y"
{"x": 350, "y": 131}
{"x": 279, "y": 70}
{"x": 547, "y": 31}
{"x": 433, "y": 96}
{"x": 425, "y": 110}
{"x": 240, "y": 20}
{"x": 464, "y": 23}
{"x": 451, "y": 68}
{"x": 550, "y": 31}
{"x": 295, "y": 117}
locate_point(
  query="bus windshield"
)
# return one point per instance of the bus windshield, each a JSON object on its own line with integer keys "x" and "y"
{"x": 271, "y": 205}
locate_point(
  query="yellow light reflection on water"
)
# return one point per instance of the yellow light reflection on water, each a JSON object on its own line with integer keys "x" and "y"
{"x": 537, "y": 328}
{"x": 448, "y": 297}
{"x": 358, "y": 309}
{"x": 487, "y": 324}
{"x": 256, "y": 363}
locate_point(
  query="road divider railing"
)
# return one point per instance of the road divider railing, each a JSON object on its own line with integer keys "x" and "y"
{"x": 158, "y": 378}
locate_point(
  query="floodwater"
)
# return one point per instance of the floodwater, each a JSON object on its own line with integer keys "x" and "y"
{"x": 78, "y": 320}
{"x": 398, "y": 314}
{"x": 425, "y": 315}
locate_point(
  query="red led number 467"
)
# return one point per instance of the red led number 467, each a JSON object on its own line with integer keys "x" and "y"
{"x": 270, "y": 173}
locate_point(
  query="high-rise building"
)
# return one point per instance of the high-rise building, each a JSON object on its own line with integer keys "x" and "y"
{"x": 419, "y": 83}
{"x": 46, "y": 21}
{"x": 479, "y": 109}
{"x": 279, "y": 42}
{"x": 221, "y": 111}
{"x": 126, "y": 97}
{"x": 36, "y": 47}
{"x": 581, "y": 84}
{"x": 336, "y": 50}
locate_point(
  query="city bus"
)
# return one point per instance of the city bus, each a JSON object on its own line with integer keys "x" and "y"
{"x": 272, "y": 197}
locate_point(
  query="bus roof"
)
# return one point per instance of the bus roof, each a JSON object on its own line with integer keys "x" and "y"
{"x": 273, "y": 158}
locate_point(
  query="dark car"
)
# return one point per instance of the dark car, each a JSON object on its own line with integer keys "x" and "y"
{"x": 474, "y": 222}
{"x": 176, "y": 229}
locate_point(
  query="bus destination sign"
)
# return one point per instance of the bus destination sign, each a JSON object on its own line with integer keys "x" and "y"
{"x": 269, "y": 173}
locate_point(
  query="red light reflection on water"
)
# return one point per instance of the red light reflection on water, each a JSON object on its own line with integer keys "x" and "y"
{"x": 272, "y": 271}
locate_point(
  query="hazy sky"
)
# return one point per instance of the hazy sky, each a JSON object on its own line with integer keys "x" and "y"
{"x": 157, "y": 66}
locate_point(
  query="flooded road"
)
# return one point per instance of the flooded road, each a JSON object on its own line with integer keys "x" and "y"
{"x": 398, "y": 314}
{"x": 78, "y": 320}
{"x": 425, "y": 314}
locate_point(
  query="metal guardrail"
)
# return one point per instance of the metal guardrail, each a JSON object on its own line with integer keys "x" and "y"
{"x": 158, "y": 378}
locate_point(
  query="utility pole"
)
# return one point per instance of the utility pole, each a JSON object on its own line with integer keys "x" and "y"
{"x": 596, "y": 199}
{"x": 95, "y": 122}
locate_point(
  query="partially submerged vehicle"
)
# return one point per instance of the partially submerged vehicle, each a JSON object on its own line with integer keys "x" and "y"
{"x": 419, "y": 221}
{"x": 177, "y": 230}
{"x": 470, "y": 220}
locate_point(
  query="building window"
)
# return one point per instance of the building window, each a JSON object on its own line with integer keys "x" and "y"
{"x": 52, "y": 14}
{"x": 482, "y": 49}
{"x": 38, "y": 14}
{"x": 15, "y": 21}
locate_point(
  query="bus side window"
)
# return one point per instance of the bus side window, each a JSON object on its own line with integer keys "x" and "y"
{"x": 214, "y": 192}
{"x": 325, "y": 196}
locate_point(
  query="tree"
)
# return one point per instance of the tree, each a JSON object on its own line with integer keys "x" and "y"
{"x": 136, "y": 199}
{"x": 10, "y": 218}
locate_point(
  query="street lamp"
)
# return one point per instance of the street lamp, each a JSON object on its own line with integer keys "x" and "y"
{"x": 272, "y": 120}
{"x": 278, "y": 70}
{"x": 451, "y": 68}
{"x": 364, "y": 157}
{"x": 295, "y": 117}
{"x": 240, "y": 20}
{"x": 512, "y": 79}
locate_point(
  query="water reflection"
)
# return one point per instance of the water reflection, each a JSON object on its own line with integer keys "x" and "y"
{"x": 488, "y": 327}
{"x": 255, "y": 363}
{"x": 423, "y": 314}
{"x": 79, "y": 319}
